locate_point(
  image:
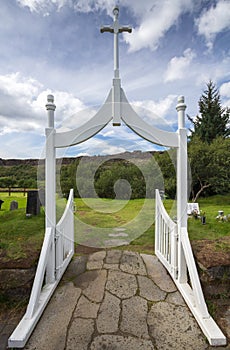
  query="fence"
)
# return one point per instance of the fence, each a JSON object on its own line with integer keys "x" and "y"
{"x": 60, "y": 243}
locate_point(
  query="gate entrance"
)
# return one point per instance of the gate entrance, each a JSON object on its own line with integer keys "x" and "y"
{"x": 172, "y": 245}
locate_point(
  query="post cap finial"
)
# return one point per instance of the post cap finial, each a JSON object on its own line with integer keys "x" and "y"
{"x": 116, "y": 11}
{"x": 50, "y": 98}
{"x": 180, "y": 99}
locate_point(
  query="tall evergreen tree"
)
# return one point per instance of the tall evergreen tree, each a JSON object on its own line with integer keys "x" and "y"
{"x": 213, "y": 120}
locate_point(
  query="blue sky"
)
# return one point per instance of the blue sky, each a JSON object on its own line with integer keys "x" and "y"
{"x": 55, "y": 46}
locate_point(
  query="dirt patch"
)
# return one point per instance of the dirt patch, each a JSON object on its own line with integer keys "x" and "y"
{"x": 212, "y": 253}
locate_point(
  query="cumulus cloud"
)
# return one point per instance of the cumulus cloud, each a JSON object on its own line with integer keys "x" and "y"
{"x": 22, "y": 104}
{"x": 177, "y": 66}
{"x": 158, "y": 18}
{"x": 153, "y": 17}
{"x": 42, "y": 6}
{"x": 213, "y": 21}
{"x": 225, "y": 93}
{"x": 158, "y": 113}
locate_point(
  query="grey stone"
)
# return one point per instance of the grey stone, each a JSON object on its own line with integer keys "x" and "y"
{"x": 149, "y": 290}
{"x": 86, "y": 308}
{"x": 134, "y": 316}
{"x": 13, "y": 205}
{"x": 113, "y": 256}
{"x": 173, "y": 327}
{"x": 52, "y": 328}
{"x": 175, "y": 298}
{"x": 95, "y": 260}
{"x": 111, "y": 266}
{"x": 131, "y": 262}
{"x": 108, "y": 317}
{"x": 80, "y": 334}
{"x": 118, "y": 342}
{"x": 121, "y": 284}
{"x": 95, "y": 289}
{"x": 76, "y": 267}
{"x": 158, "y": 273}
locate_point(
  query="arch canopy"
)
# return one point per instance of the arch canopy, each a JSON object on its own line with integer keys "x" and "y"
{"x": 104, "y": 116}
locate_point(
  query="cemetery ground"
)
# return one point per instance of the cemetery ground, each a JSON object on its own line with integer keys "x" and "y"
{"x": 21, "y": 239}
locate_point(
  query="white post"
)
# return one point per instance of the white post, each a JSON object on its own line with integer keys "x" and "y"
{"x": 181, "y": 187}
{"x": 50, "y": 179}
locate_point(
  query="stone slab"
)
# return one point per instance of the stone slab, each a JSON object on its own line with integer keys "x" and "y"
{"x": 113, "y": 256}
{"x": 118, "y": 342}
{"x": 86, "y": 308}
{"x": 134, "y": 316}
{"x": 109, "y": 313}
{"x": 121, "y": 284}
{"x": 149, "y": 290}
{"x": 80, "y": 334}
{"x": 53, "y": 325}
{"x": 131, "y": 262}
{"x": 96, "y": 260}
{"x": 95, "y": 289}
{"x": 158, "y": 273}
{"x": 175, "y": 298}
{"x": 173, "y": 327}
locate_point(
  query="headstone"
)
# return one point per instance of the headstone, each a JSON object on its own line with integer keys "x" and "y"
{"x": 33, "y": 203}
{"x": 13, "y": 205}
{"x": 193, "y": 207}
{"x": 1, "y": 202}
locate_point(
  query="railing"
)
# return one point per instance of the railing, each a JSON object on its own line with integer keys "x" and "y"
{"x": 65, "y": 238}
{"x": 166, "y": 237}
{"x": 169, "y": 244}
{"x": 62, "y": 245}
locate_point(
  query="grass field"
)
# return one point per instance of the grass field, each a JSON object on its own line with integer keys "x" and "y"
{"x": 19, "y": 236}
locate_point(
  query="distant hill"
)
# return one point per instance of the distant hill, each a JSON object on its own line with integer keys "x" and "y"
{"x": 69, "y": 160}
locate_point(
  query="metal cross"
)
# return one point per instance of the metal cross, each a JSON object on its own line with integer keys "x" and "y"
{"x": 116, "y": 29}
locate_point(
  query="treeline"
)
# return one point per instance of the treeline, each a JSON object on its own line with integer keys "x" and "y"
{"x": 120, "y": 178}
{"x": 18, "y": 176}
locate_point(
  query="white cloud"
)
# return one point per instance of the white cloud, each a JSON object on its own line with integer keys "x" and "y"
{"x": 214, "y": 21}
{"x": 177, "y": 67}
{"x": 22, "y": 105}
{"x": 157, "y": 18}
{"x": 42, "y": 6}
{"x": 225, "y": 93}
{"x": 156, "y": 113}
{"x": 154, "y": 17}
{"x": 225, "y": 89}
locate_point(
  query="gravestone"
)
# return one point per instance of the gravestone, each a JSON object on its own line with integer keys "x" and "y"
{"x": 33, "y": 203}
{"x": 1, "y": 202}
{"x": 14, "y": 205}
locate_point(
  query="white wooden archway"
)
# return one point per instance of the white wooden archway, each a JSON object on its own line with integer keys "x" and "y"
{"x": 172, "y": 245}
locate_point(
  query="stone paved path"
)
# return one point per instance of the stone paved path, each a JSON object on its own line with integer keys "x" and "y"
{"x": 114, "y": 300}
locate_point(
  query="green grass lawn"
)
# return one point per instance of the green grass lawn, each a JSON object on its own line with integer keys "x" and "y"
{"x": 19, "y": 236}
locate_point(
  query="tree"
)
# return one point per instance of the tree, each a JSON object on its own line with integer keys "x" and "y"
{"x": 7, "y": 182}
{"x": 209, "y": 166}
{"x": 213, "y": 120}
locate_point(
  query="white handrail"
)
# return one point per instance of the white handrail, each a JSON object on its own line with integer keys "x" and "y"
{"x": 41, "y": 295}
{"x": 39, "y": 277}
{"x": 166, "y": 249}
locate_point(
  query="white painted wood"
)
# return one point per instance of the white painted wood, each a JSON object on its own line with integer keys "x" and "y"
{"x": 89, "y": 129}
{"x": 148, "y": 132}
{"x": 40, "y": 296}
{"x": 193, "y": 295}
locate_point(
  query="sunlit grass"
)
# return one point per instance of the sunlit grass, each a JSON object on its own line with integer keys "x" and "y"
{"x": 96, "y": 219}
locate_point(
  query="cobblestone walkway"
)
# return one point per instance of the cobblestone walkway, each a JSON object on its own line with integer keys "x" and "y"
{"x": 114, "y": 300}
